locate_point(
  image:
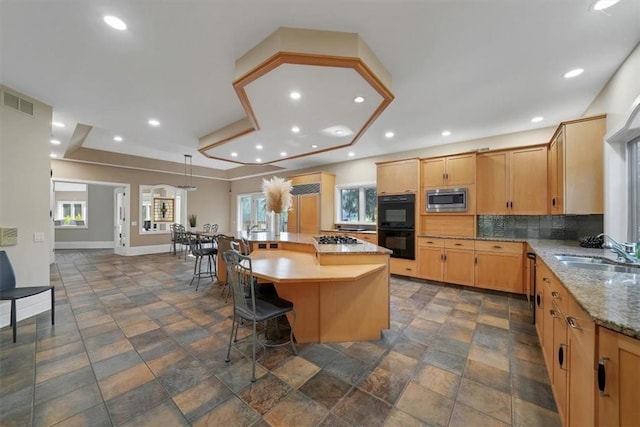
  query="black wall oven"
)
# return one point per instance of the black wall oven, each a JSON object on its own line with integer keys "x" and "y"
{"x": 396, "y": 224}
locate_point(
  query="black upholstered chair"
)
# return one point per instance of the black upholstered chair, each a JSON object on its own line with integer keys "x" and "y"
{"x": 247, "y": 307}
{"x": 9, "y": 291}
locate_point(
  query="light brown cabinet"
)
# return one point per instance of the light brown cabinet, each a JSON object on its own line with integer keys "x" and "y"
{"x": 446, "y": 260}
{"x": 618, "y": 379}
{"x": 403, "y": 267}
{"x": 499, "y": 266}
{"x": 451, "y": 171}
{"x": 402, "y": 176}
{"x": 512, "y": 182}
{"x": 313, "y": 203}
{"x": 576, "y": 166}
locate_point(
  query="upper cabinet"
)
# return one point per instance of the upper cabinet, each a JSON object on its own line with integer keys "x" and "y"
{"x": 512, "y": 182}
{"x": 451, "y": 171}
{"x": 398, "y": 177}
{"x": 576, "y": 167}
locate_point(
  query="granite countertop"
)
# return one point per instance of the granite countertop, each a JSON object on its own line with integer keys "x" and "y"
{"x": 308, "y": 239}
{"x": 611, "y": 299}
{"x": 338, "y": 230}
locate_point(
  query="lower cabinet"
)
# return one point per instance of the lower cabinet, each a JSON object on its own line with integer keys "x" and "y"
{"x": 403, "y": 267}
{"x": 446, "y": 260}
{"x": 499, "y": 266}
{"x": 618, "y": 379}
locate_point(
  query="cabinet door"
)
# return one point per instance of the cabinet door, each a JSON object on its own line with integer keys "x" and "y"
{"x": 528, "y": 184}
{"x": 398, "y": 177}
{"x": 433, "y": 172}
{"x": 492, "y": 186}
{"x": 430, "y": 263}
{"x": 461, "y": 170}
{"x": 459, "y": 267}
{"x": 619, "y": 397}
{"x": 539, "y": 303}
{"x": 309, "y": 214}
{"x": 556, "y": 174}
{"x": 560, "y": 363}
{"x": 502, "y": 272}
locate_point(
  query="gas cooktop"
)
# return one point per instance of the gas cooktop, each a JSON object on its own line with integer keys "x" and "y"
{"x": 336, "y": 240}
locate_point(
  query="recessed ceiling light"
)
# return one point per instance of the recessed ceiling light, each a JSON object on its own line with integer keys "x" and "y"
{"x": 258, "y": 160}
{"x": 573, "y": 73}
{"x": 57, "y": 124}
{"x": 358, "y": 99}
{"x": 389, "y": 134}
{"x": 115, "y": 22}
{"x": 154, "y": 122}
{"x": 446, "y": 133}
{"x": 537, "y": 119}
{"x": 283, "y": 153}
{"x": 294, "y": 95}
{"x": 351, "y": 154}
{"x": 55, "y": 142}
{"x": 603, "y": 4}
{"x": 339, "y": 132}
{"x": 117, "y": 138}
{"x": 295, "y": 129}
{"x": 234, "y": 154}
{"x": 258, "y": 147}
{"x": 53, "y": 155}
{"x": 314, "y": 146}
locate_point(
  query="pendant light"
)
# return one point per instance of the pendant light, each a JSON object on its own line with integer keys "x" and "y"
{"x": 188, "y": 180}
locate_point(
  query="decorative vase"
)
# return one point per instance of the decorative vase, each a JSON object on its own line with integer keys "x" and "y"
{"x": 277, "y": 223}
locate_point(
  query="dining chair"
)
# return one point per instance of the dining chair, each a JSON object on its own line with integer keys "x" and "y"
{"x": 248, "y": 308}
{"x": 9, "y": 291}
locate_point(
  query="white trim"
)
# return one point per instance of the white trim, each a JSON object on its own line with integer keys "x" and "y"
{"x": 146, "y": 250}
{"x": 107, "y": 244}
{"x": 25, "y": 308}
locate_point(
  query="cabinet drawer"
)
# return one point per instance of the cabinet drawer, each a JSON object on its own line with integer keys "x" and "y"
{"x": 459, "y": 244}
{"x": 403, "y": 267}
{"x": 496, "y": 246}
{"x": 581, "y": 328}
{"x": 431, "y": 242}
{"x": 371, "y": 238}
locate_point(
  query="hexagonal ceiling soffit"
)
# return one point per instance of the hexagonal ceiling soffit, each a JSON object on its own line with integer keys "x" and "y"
{"x": 331, "y": 72}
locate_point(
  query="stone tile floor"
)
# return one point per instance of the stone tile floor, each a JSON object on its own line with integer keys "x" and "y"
{"x": 135, "y": 345}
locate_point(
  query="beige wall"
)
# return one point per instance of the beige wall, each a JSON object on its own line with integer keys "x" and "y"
{"x": 24, "y": 199}
{"x": 209, "y": 202}
{"x": 617, "y": 99}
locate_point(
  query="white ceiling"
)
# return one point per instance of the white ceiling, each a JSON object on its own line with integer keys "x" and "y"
{"x": 474, "y": 67}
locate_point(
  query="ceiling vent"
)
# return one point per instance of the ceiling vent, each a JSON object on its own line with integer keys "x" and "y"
{"x": 15, "y": 102}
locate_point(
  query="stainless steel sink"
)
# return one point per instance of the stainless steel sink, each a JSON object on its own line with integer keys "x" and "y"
{"x": 614, "y": 268}
{"x": 583, "y": 259}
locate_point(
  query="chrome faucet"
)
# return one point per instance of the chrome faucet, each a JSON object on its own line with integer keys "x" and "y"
{"x": 250, "y": 228}
{"x": 617, "y": 248}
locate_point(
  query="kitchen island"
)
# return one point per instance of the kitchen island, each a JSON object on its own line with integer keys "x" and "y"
{"x": 340, "y": 291}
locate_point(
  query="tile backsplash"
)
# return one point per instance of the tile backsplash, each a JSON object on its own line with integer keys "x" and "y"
{"x": 555, "y": 227}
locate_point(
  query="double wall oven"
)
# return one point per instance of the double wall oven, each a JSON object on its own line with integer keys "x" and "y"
{"x": 397, "y": 224}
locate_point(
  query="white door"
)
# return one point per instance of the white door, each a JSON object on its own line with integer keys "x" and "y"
{"x": 120, "y": 221}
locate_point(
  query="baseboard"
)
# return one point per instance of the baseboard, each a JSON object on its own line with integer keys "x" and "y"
{"x": 85, "y": 245}
{"x": 25, "y": 308}
{"x": 146, "y": 250}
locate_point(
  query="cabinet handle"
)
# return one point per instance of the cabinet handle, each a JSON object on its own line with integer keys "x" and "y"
{"x": 553, "y": 313}
{"x": 546, "y": 280}
{"x": 553, "y": 201}
{"x": 475, "y": 260}
{"x": 572, "y": 323}
{"x": 430, "y": 242}
{"x": 555, "y": 295}
{"x": 507, "y": 205}
{"x": 561, "y": 351}
{"x": 539, "y": 300}
{"x": 445, "y": 257}
{"x": 511, "y": 204}
{"x": 408, "y": 269}
{"x": 602, "y": 376}
{"x": 457, "y": 244}
{"x": 497, "y": 247}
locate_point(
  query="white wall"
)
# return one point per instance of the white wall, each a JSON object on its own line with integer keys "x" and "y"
{"x": 616, "y": 100}
{"x": 24, "y": 199}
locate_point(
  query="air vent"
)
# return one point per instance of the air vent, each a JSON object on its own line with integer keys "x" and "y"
{"x": 16, "y": 103}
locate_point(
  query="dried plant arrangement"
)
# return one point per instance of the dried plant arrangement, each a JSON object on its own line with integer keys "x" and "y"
{"x": 278, "y": 193}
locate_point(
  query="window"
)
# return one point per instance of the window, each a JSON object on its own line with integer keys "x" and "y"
{"x": 634, "y": 189}
{"x": 356, "y": 204}
{"x": 160, "y": 206}
{"x": 252, "y": 210}
{"x": 70, "y": 204}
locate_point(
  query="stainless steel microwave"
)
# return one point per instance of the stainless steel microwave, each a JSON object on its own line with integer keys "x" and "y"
{"x": 446, "y": 200}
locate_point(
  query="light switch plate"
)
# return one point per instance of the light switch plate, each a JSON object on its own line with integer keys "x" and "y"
{"x": 38, "y": 237}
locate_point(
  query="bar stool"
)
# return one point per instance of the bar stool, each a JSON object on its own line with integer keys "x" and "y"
{"x": 200, "y": 253}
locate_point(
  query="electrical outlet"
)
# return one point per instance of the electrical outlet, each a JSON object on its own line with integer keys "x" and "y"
{"x": 134, "y": 223}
